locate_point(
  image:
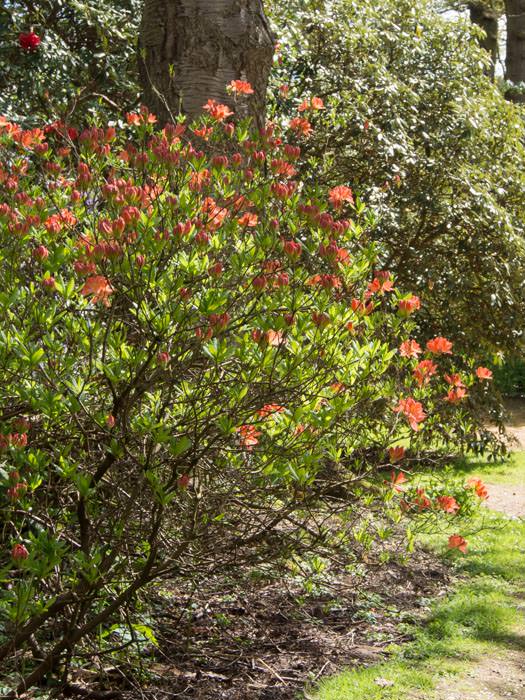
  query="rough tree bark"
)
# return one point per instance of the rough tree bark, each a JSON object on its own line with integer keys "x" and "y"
{"x": 487, "y": 19}
{"x": 189, "y": 50}
{"x": 515, "y": 63}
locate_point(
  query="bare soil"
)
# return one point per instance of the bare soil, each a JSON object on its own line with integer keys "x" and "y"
{"x": 265, "y": 641}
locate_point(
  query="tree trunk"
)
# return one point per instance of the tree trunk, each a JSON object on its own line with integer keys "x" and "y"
{"x": 515, "y": 65}
{"x": 488, "y": 21}
{"x": 189, "y": 50}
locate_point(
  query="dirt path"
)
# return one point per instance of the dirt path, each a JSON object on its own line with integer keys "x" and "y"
{"x": 500, "y": 676}
{"x": 504, "y": 498}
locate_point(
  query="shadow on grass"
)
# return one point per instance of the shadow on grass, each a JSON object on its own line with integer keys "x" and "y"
{"x": 483, "y": 616}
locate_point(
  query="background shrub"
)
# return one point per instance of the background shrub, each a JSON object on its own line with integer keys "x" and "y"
{"x": 431, "y": 144}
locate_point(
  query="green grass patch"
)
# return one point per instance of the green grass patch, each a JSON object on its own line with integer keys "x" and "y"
{"x": 484, "y": 614}
{"x": 511, "y": 471}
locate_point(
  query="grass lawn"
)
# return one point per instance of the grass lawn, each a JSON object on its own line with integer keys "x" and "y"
{"x": 483, "y": 615}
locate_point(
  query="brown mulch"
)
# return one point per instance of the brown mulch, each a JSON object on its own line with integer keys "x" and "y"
{"x": 268, "y": 641}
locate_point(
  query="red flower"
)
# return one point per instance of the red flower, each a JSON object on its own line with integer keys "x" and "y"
{"x": 439, "y": 346}
{"x": 408, "y": 306}
{"x": 479, "y": 487}
{"x": 29, "y": 41}
{"x": 19, "y": 552}
{"x": 292, "y": 249}
{"x": 413, "y": 412}
{"x": 321, "y": 320}
{"x": 483, "y": 373}
{"x": 240, "y": 87}
{"x": 340, "y": 194}
{"x": 163, "y": 358}
{"x": 410, "y": 348}
{"x": 458, "y": 542}
{"x": 183, "y": 481}
{"x": 41, "y": 253}
{"x": 216, "y": 269}
{"x": 217, "y": 111}
{"x": 17, "y": 491}
{"x": 424, "y": 370}
{"x": 396, "y": 454}
{"x": 448, "y": 504}
{"x": 49, "y": 284}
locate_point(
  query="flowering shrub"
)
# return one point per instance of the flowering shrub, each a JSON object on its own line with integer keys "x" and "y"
{"x": 197, "y": 351}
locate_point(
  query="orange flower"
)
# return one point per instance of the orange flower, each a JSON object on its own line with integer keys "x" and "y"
{"x": 456, "y": 394}
{"x": 458, "y": 542}
{"x": 269, "y": 409}
{"x": 396, "y": 454}
{"x": 454, "y": 380}
{"x": 217, "y": 111}
{"x": 380, "y": 286}
{"x": 483, "y": 373}
{"x": 326, "y": 281}
{"x": 408, "y": 306}
{"x": 396, "y": 479}
{"x": 337, "y": 387}
{"x": 248, "y": 220}
{"x": 283, "y": 167}
{"x": 205, "y": 132}
{"x": 448, "y": 504}
{"x": 198, "y": 179}
{"x": 272, "y": 338}
{"x": 439, "y": 346}
{"x": 240, "y": 87}
{"x": 410, "y": 348}
{"x": 99, "y": 287}
{"x": 301, "y": 126}
{"x": 143, "y": 117}
{"x": 424, "y": 370}
{"x": 249, "y": 436}
{"x": 413, "y": 412}
{"x": 422, "y": 501}
{"x": 340, "y": 194}
{"x": 314, "y": 104}
{"x": 479, "y": 487}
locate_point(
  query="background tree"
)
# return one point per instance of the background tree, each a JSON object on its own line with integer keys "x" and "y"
{"x": 487, "y": 18}
{"x": 515, "y": 62}
{"x": 414, "y": 124}
{"x": 190, "y": 52}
